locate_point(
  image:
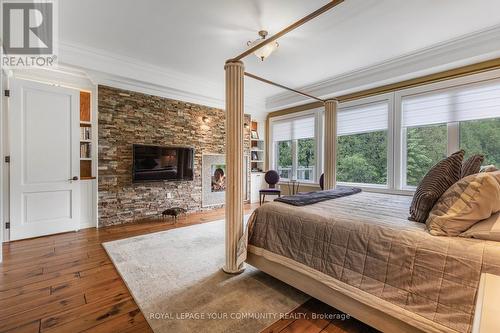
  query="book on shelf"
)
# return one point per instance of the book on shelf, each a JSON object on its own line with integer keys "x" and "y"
{"x": 84, "y": 150}
{"x": 85, "y": 133}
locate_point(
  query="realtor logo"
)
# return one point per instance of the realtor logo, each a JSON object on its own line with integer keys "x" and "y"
{"x": 28, "y": 34}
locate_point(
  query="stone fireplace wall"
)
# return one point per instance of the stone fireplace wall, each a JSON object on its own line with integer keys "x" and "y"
{"x": 127, "y": 118}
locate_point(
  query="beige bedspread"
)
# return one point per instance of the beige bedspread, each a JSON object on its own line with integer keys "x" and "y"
{"x": 366, "y": 241}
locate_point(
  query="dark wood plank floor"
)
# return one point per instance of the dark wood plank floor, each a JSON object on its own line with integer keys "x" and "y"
{"x": 66, "y": 283}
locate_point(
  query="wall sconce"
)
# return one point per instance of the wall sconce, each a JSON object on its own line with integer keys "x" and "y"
{"x": 205, "y": 119}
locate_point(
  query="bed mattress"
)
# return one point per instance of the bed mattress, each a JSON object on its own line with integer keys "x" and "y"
{"x": 365, "y": 241}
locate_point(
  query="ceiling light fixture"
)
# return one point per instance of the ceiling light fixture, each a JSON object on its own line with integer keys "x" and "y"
{"x": 267, "y": 49}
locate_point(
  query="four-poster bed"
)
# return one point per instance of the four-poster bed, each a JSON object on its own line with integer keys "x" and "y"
{"x": 341, "y": 251}
{"x": 235, "y": 72}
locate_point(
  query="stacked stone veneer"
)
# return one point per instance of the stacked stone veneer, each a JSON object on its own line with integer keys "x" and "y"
{"x": 127, "y": 118}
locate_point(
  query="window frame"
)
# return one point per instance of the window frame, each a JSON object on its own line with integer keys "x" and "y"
{"x": 378, "y": 99}
{"x": 318, "y": 135}
{"x": 453, "y": 133}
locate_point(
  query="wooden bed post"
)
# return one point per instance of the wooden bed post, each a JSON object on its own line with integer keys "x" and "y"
{"x": 330, "y": 153}
{"x": 234, "y": 163}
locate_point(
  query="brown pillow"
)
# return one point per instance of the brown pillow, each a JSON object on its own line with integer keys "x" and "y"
{"x": 439, "y": 178}
{"x": 472, "y": 165}
{"x": 470, "y": 200}
{"x": 488, "y": 229}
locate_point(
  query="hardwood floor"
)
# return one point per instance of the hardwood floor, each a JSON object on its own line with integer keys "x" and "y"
{"x": 66, "y": 283}
{"x": 317, "y": 317}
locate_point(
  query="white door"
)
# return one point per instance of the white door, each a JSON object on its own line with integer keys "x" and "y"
{"x": 44, "y": 159}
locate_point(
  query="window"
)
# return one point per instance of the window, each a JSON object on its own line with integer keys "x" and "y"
{"x": 362, "y": 141}
{"x": 440, "y": 122}
{"x": 389, "y": 142}
{"x": 295, "y": 145}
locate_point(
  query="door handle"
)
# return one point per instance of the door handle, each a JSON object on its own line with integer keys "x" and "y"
{"x": 74, "y": 178}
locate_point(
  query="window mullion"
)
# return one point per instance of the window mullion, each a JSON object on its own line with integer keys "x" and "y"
{"x": 453, "y": 137}
{"x": 390, "y": 142}
{"x": 295, "y": 158}
{"x": 275, "y": 153}
{"x": 404, "y": 158}
{"x": 398, "y": 154}
{"x": 319, "y": 146}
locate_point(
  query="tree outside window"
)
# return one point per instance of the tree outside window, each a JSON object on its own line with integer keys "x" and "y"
{"x": 306, "y": 156}
{"x": 362, "y": 158}
{"x": 425, "y": 146}
{"x": 284, "y": 152}
{"x": 297, "y": 159}
{"x": 481, "y": 137}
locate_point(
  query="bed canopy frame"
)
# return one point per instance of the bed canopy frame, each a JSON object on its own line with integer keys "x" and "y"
{"x": 235, "y": 73}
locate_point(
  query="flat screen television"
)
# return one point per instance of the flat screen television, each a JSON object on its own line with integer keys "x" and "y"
{"x": 156, "y": 163}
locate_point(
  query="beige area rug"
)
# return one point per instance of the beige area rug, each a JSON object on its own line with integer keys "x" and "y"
{"x": 176, "y": 279}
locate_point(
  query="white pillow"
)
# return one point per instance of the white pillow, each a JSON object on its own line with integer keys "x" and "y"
{"x": 488, "y": 168}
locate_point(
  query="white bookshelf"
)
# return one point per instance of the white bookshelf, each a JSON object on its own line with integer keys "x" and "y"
{"x": 257, "y": 162}
{"x": 257, "y": 150}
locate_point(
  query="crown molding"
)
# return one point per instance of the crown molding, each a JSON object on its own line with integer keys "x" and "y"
{"x": 465, "y": 50}
{"x": 60, "y": 75}
{"x": 123, "y": 72}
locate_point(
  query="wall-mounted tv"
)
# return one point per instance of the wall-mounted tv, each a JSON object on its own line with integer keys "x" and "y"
{"x": 156, "y": 163}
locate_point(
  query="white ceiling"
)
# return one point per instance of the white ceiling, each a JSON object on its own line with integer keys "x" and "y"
{"x": 195, "y": 37}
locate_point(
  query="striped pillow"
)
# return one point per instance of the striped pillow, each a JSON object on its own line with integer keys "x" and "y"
{"x": 439, "y": 178}
{"x": 472, "y": 165}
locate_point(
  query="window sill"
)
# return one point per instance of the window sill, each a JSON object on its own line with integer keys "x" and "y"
{"x": 363, "y": 185}
{"x": 372, "y": 188}
{"x": 301, "y": 183}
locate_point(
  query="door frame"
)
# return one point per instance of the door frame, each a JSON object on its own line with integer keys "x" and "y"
{"x": 66, "y": 77}
{"x": 22, "y": 190}
{"x": 3, "y": 169}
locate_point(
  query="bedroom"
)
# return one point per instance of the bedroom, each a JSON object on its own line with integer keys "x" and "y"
{"x": 274, "y": 166}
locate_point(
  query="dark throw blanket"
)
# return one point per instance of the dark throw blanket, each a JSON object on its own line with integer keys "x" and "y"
{"x": 304, "y": 199}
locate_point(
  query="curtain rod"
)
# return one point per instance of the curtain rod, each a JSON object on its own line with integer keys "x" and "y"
{"x": 282, "y": 86}
{"x": 291, "y": 27}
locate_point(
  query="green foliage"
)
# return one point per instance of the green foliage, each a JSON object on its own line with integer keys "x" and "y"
{"x": 428, "y": 145}
{"x": 362, "y": 158}
{"x": 425, "y": 147}
{"x": 285, "y": 154}
{"x": 356, "y": 168}
{"x": 306, "y": 155}
{"x": 481, "y": 137}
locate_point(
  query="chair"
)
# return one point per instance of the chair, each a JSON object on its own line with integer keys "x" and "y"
{"x": 272, "y": 178}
